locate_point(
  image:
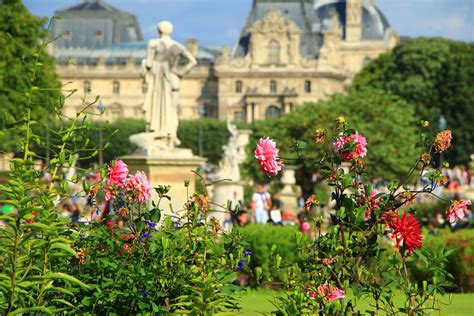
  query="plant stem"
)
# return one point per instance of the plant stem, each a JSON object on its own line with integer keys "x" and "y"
{"x": 14, "y": 264}
{"x": 407, "y": 279}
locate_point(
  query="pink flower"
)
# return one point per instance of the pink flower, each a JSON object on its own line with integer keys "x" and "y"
{"x": 346, "y": 152}
{"x": 457, "y": 210}
{"x": 267, "y": 156}
{"x": 327, "y": 261}
{"x": 117, "y": 173}
{"x": 305, "y": 227}
{"x": 110, "y": 194}
{"x": 330, "y": 293}
{"x": 140, "y": 187}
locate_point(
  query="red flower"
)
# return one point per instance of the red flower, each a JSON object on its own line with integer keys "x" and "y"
{"x": 407, "y": 232}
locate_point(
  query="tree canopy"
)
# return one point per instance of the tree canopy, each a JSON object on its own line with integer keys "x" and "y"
{"x": 437, "y": 76}
{"x": 20, "y": 41}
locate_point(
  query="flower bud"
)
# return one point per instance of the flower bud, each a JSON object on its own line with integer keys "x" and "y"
{"x": 320, "y": 135}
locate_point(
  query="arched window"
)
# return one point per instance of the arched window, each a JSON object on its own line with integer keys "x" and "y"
{"x": 273, "y": 86}
{"x": 272, "y": 111}
{"x": 307, "y": 86}
{"x": 116, "y": 87}
{"x": 87, "y": 86}
{"x": 274, "y": 52}
{"x": 238, "y": 86}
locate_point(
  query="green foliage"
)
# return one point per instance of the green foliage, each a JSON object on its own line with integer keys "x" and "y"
{"x": 266, "y": 244}
{"x": 180, "y": 265}
{"x": 117, "y": 136}
{"x": 436, "y": 75}
{"x": 460, "y": 248}
{"x": 430, "y": 208}
{"x": 21, "y": 34}
{"x": 34, "y": 240}
{"x": 214, "y": 135}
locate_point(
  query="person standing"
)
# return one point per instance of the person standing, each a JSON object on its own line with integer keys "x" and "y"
{"x": 261, "y": 204}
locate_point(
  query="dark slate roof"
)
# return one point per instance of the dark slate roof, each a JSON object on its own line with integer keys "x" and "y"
{"x": 90, "y": 5}
{"x": 93, "y": 24}
{"x": 374, "y": 23}
{"x": 120, "y": 53}
{"x": 313, "y": 17}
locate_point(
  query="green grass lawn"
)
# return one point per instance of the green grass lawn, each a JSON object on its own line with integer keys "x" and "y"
{"x": 259, "y": 302}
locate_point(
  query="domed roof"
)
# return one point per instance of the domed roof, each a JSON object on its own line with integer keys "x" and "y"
{"x": 94, "y": 24}
{"x": 313, "y": 17}
{"x": 374, "y": 24}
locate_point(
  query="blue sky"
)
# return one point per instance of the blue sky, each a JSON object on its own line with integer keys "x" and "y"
{"x": 218, "y": 22}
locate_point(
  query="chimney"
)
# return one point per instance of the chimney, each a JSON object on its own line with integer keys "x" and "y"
{"x": 192, "y": 46}
{"x": 353, "y": 20}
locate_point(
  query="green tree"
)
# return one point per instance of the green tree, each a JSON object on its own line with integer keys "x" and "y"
{"x": 214, "y": 135}
{"x": 20, "y": 39}
{"x": 436, "y": 75}
{"x": 387, "y": 121}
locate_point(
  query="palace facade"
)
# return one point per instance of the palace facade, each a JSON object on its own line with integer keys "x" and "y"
{"x": 289, "y": 52}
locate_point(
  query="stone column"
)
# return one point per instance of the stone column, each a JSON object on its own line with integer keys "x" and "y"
{"x": 288, "y": 194}
{"x": 248, "y": 112}
{"x": 256, "y": 111}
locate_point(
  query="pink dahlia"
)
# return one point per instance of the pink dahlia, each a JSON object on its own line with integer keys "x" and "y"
{"x": 117, "y": 173}
{"x": 330, "y": 293}
{"x": 140, "y": 186}
{"x": 266, "y": 153}
{"x": 442, "y": 141}
{"x": 343, "y": 147}
{"x": 407, "y": 232}
{"x": 457, "y": 210}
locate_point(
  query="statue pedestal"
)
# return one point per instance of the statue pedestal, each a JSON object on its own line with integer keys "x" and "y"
{"x": 288, "y": 195}
{"x": 224, "y": 192}
{"x": 172, "y": 167}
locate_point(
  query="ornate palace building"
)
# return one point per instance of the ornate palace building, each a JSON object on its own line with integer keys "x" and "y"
{"x": 289, "y": 52}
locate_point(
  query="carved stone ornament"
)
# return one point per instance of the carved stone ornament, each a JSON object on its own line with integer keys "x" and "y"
{"x": 273, "y": 22}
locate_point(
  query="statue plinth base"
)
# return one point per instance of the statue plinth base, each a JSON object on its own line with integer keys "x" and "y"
{"x": 288, "y": 196}
{"x": 168, "y": 167}
{"x": 223, "y": 192}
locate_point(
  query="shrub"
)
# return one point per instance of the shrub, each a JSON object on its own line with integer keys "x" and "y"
{"x": 460, "y": 261}
{"x": 267, "y": 243}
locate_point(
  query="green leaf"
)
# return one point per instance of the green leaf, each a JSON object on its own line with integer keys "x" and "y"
{"x": 86, "y": 185}
{"x": 67, "y": 277}
{"x": 64, "y": 247}
{"x": 27, "y": 310}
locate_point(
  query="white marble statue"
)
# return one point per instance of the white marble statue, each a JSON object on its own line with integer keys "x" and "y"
{"x": 166, "y": 62}
{"x": 234, "y": 154}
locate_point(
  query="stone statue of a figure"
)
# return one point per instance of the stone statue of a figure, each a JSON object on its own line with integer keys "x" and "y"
{"x": 231, "y": 158}
{"x": 166, "y": 62}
